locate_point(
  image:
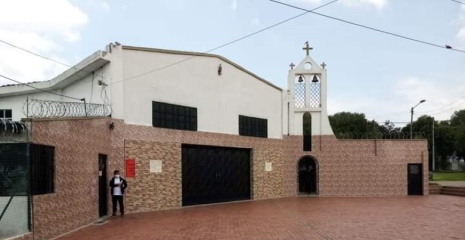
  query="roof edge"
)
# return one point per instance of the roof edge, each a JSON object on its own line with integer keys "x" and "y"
{"x": 199, "y": 54}
{"x": 53, "y": 83}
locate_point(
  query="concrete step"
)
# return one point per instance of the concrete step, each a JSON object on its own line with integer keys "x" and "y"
{"x": 453, "y": 191}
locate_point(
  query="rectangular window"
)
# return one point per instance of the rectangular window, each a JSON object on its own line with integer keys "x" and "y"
{"x": 253, "y": 127}
{"x": 6, "y": 114}
{"x": 165, "y": 115}
{"x": 42, "y": 169}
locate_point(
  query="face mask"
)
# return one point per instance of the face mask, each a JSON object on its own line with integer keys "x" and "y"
{"x": 116, "y": 176}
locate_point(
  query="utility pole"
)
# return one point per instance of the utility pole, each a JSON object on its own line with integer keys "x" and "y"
{"x": 433, "y": 154}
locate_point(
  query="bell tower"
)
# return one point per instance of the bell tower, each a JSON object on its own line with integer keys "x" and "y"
{"x": 307, "y": 96}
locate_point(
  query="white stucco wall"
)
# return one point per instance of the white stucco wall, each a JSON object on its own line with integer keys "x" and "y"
{"x": 195, "y": 83}
{"x": 15, "y": 220}
{"x": 320, "y": 119}
{"x": 87, "y": 88}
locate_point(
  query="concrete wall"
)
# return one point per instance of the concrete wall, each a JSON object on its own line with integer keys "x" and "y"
{"x": 15, "y": 221}
{"x": 219, "y": 99}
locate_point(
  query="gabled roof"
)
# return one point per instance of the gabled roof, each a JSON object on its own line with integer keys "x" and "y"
{"x": 201, "y": 55}
{"x": 73, "y": 74}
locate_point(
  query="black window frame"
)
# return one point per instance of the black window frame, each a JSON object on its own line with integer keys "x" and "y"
{"x": 173, "y": 116}
{"x": 4, "y": 115}
{"x": 42, "y": 169}
{"x": 253, "y": 126}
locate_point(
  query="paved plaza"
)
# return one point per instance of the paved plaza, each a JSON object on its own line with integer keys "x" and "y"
{"x": 433, "y": 217}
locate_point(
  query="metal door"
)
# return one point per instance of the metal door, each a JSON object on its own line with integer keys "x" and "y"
{"x": 214, "y": 174}
{"x": 415, "y": 178}
{"x": 102, "y": 183}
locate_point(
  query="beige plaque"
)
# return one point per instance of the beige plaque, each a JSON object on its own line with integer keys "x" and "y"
{"x": 268, "y": 166}
{"x": 155, "y": 166}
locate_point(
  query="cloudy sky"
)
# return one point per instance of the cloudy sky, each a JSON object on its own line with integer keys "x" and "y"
{"x": 369, "y": 72}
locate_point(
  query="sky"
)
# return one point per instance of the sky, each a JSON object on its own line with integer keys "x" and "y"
{"x": 368, "y": 72}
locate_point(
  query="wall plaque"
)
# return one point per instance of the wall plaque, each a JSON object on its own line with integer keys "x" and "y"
{"x": 130, "y": 168}
{"x": 268, "y": 166}
{"x": 155, "y": 166}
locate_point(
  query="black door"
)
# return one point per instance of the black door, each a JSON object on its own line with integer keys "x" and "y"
{"x": 102, "y": 184}
{"x": 415, "y": 178}
{"x": 214, "y": 174}
{"x": 307, "y": 171}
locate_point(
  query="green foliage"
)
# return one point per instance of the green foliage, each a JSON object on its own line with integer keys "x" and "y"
{"x": 307, "y": 120}
{"x": 349, "y": 122}
{"x": 449, "y": 136}
{"x": 451, "y": 176}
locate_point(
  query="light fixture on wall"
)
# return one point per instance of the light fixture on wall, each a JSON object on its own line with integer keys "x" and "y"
{"x": 301, "y": 79}
{"x": 102, "y": 83}
{"x": 220, "y": 69}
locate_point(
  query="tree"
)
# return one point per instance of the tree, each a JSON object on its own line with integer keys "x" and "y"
{"x": 347, "y": 122}
{"x": 458, "y": 118}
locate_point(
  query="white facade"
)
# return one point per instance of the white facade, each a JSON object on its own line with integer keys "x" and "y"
{"x": 130, "y": 78}
{"x": 308, "y": 92}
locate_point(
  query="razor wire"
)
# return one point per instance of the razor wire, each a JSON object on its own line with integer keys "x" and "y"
{"x": 380, "y": 135}
{"x": 34, "y": 108}
{"x": 13, "y": 131}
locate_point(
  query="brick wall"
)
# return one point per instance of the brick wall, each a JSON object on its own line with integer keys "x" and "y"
{"x": 346, "y": 167}
{"x": 75, "y": 201}
{"x": 159, "y": 191}
{"x": 356, "y": 167}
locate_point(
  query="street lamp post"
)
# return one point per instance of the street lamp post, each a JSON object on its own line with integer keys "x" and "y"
{"x": 411, "y": 117}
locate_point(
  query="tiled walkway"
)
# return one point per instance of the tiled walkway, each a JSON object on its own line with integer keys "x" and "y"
{"x": 433, "y": 217}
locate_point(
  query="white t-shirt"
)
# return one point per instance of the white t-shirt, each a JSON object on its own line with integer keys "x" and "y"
{"x": 117, "y": 189}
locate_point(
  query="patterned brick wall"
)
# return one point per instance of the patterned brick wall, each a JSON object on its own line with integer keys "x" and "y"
{"x": 75, "y": 201}
{"x": 159, "y": 191}
{"x": 356, "y": 167}
{"x": 346, "y": 167}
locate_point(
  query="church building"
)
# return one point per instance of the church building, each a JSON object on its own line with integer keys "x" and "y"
{"x": 189, "y": 128}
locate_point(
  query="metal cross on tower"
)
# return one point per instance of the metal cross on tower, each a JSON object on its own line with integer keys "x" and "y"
{"x": 307, "y": 48}
{"x": 292, "y": 66}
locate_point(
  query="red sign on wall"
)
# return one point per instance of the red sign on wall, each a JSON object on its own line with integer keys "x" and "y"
{"x": 130, "y": 168}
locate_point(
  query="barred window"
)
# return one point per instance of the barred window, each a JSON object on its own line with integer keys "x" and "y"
{"x": 253, "y": 127}
{"x": 171, "y": 116}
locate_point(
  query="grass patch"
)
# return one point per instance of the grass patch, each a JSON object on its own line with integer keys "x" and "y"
{"x": 449, "y": 176}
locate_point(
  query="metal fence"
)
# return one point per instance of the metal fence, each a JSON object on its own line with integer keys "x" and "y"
{"x": 26, "y": 170}
{"x": 34, "y": 108}
{"x": 15, "y": 207}
{"x": 380, "y": 135}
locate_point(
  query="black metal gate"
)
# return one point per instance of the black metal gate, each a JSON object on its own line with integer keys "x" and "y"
{"x": 415, "y": 178}
{"x": 102, "y": 185}
{"x": 214, "y": 174}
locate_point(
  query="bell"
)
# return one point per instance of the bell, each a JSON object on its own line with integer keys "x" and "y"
{"x": 315, "y": 79}
{"x": 301, "y": 79}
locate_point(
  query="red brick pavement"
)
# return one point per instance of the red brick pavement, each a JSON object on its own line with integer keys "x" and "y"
{"x": 433, "y": 217}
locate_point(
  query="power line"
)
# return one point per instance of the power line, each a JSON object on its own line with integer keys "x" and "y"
{"x": 231, "y": 42}
{"x": 40, "y": 89}
{"x": 458, "y": 2}
{"x": 371, "y": 28}
{"x": 44, "y": 57}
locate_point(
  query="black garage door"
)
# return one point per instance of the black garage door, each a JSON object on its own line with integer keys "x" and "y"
{"x": 214, "y": 174}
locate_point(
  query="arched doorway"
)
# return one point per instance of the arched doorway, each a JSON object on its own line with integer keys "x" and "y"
{"x": 308, "y": 175}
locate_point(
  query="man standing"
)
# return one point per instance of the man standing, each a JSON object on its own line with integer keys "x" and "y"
{"x": 117, "y": 185}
